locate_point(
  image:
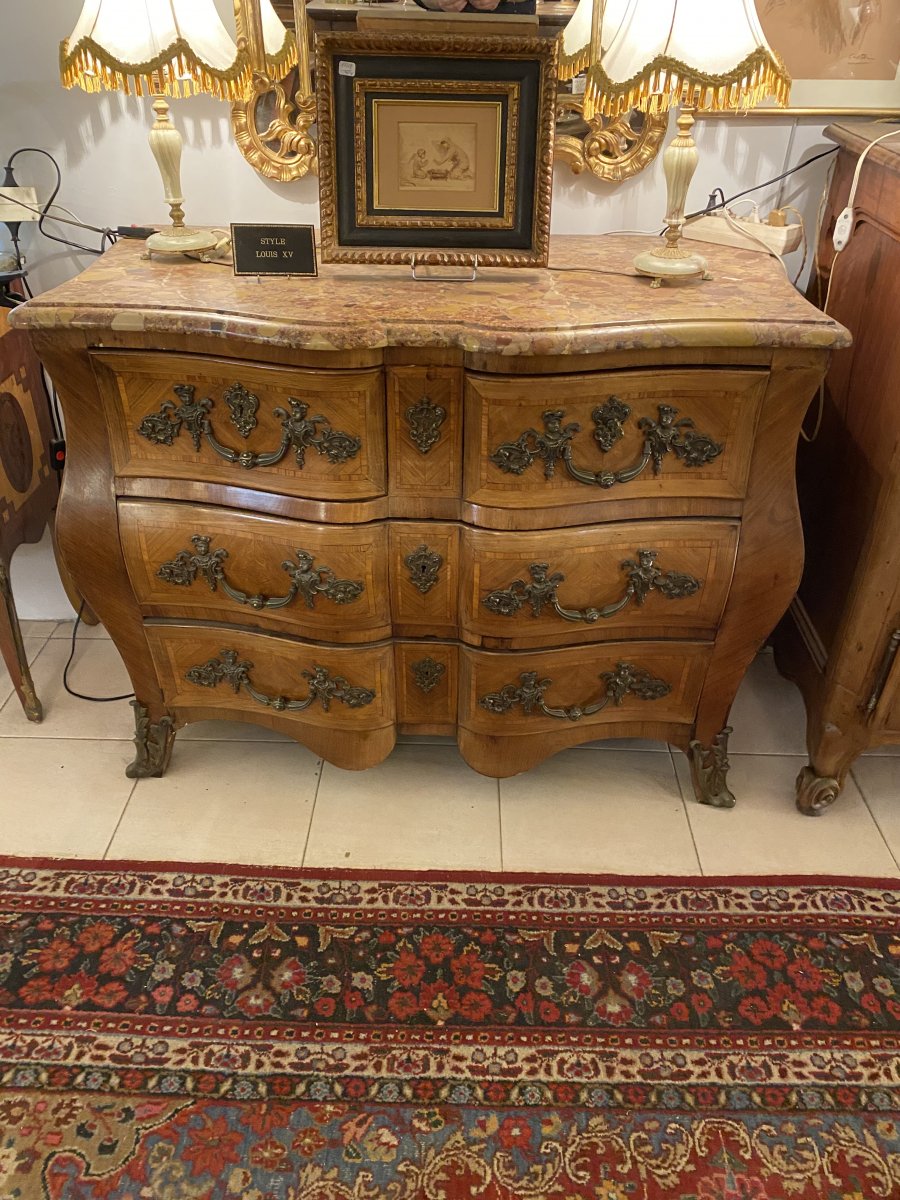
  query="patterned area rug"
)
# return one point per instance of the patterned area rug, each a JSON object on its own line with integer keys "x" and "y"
{"x": 210, "y": 1033}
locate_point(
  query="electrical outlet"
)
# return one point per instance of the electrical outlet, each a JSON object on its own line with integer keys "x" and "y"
{"x": 12, "y": 209}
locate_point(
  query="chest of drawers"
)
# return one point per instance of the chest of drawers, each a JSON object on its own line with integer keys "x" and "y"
{"x": 535, "y": 510}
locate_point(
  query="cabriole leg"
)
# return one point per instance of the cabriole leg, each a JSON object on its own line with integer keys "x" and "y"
{"x": 153, "y": 742}
{"x": 13, "y": 650}
{"x": 709, "y": 771}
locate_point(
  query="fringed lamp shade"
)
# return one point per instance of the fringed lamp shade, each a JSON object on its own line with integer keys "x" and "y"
{"x": 575, "y": 44}
{"x": 280, "y": 46}
{"x": 660, "y": 54}
{"x": 170, "y": 47}
{"x": 657, "y": 54}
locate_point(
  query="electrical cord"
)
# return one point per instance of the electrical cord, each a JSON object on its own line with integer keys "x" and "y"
{"x": 44, "y": 211}
{"x": 71, "y": 691}
{"x": 712, "y": 205}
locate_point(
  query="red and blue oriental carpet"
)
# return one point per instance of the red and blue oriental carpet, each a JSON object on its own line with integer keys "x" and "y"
{"x": 214, "y": 1033}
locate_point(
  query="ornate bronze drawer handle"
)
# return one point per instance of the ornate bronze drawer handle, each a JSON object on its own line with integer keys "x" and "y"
{"x": 228, "y": 669}
{"x": 625, "y": 680}
{"x": 300, "y": 432}
{"x": 643, "y": 577}
{"x": 660, "y": 438}
{"x": 307, "y": 580}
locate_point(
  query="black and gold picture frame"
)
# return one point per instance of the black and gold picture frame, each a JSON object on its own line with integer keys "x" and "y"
{"x": 435, "y": 149}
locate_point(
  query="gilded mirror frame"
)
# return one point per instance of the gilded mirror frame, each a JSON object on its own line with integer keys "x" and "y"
{"x": 273, "y": 125}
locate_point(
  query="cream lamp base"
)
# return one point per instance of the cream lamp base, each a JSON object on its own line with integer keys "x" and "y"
{"x": 180, "y": 239}
{"x": 662, "y": 268}
{"x": 673, "y": 263}
{"x": 165, "y": 142}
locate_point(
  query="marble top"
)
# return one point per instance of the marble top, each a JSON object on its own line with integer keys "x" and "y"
{"x": 589, "y": 300}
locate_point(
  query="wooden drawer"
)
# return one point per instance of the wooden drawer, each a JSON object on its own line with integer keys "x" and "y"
{"x": 427, "y": 675}
{"x": 425, "y": 436}
{"x": 507, "y": 696}
{"x": 316, "y": 434}
{"x": 662, "y": 579}
{"x": 534, "y": 441}
{"x": 424, "y": 578}
{"x": 327, "y": 582}
{"x": 319, "y": 694}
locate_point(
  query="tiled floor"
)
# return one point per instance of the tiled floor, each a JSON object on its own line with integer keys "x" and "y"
{"x": 239, "y": 793}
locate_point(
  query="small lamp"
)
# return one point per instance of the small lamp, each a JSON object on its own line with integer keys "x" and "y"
{"x": 655, "y": 54}
{"x": 165, "y": 48}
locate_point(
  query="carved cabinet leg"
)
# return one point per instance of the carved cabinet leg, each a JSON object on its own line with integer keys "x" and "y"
{"x": 815, "y": 792}
{"x": 13, "y": 650}
{"x": 709, "y": 771}
{"x": 153, "y": 742}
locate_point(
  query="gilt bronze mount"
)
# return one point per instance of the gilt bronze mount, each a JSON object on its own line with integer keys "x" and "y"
{"x": 643, "y": 577}
{"x": 300, "y": 432}
{"x": 153, "y": 742}
{"x": 322, "y": 687}
{"x": 553, "y": 445}
{"x": 709, "y": 768}
{"x": 427, "y": 673}
{"x": 425, "y": 420}
{"x": 625, "y": 680}
{"x": 424, "y": 567}
{"x": 307, "y": 580}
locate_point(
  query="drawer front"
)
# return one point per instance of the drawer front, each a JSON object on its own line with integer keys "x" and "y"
{"x": 315, "y": 434}
{"x": 505, "y": 695}
{"x": 424, "y": 578}
{"x": 243, "y": 674}
{"x": 213, "y": 564}
{"x": 536, "y": 441}
{"x": 425, "y": 433}
{"x": 427, "y": 675}
{"x": 632, "y": 579}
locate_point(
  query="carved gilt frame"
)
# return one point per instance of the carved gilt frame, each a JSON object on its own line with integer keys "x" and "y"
{"x": 273, "y": 126}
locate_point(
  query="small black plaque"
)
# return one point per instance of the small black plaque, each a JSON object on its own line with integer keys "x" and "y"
{"x": 274, "y": 249}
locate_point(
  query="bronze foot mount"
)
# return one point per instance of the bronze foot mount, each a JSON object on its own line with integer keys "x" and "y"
{"x": 709, "y": 771}
{"x": 152, "y": 742}
{"x": 815, "y": 792}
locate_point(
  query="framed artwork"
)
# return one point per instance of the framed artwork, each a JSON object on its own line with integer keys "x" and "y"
{"x": 435, "y": 149}
{"x": 843, "y": 54}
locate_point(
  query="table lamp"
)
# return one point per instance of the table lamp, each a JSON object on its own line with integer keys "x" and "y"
{"x": 656, "y": 54}
{"x": 164, "y": 48}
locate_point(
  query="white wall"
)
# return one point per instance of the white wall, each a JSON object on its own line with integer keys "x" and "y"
{"x": 109, "y": 178}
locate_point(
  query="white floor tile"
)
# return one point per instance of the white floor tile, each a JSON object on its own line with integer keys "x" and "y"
{"x": 33, "y": 647}
{"x": 879, "y": 781}
{"x": 223, "y": 802}
{"x": 37, "y": 629}
{"x": 422, "y": 807}
{"x": 597, "y": 811}
{"x": 61, "y": 798}
{"x": 766, "y": 835}
{"x": 64, "y": 630}
{"x": 768, "y": 716}
{"x": 97, "y": 670}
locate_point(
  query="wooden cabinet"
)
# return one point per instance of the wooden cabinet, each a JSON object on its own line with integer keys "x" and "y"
{"x": 549, "y": 507}
{"x": 841, "y": 639}
{"x": 28, "y": 489}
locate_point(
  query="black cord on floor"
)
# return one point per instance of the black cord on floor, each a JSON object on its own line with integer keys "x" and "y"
{"x": 78, "y": 695}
